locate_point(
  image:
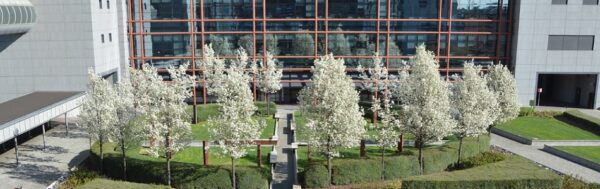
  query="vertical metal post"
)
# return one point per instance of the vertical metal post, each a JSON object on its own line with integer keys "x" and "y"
{"x": 258, "y": 155}
{"x": 66, "y": 124}
{"x": 44, "y": 135}
{"x": 16, "y": 134}
{"x": 205, "y": 152}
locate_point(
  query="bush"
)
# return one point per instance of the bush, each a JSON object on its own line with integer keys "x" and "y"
{"x": 315, "y": 176}
{"x": 262, "y": 108}
{"x": 526, "y": 111}
{"x": 514, "y": 172}
{"x": 570, "y": 182}
{"x": 349, "y": 171}
{"x": 482, "y": 159}
{"x": 184, "y": 175}
{"x": 547, "y": 114}
{"x": 78, "y": 178}
{"x": 352, "y": 171}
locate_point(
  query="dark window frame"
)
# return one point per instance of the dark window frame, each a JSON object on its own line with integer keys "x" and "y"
{"x": 560, "y": 2}
{"x": 571, "y": 42}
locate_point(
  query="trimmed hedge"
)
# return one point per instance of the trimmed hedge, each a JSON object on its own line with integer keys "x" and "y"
{"x": 352, "y": 171}
{"x": 587, "y": 122}
{"x": 262, "y": 108}
{"x": 184, "y": 175}
{"x": 515, "y": 172}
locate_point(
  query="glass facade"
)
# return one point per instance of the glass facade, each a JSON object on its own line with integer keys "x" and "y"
{"x": 171, "y": 32}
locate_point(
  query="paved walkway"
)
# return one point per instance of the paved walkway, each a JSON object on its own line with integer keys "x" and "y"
{"x": 39, "y": 168}
{"x": 284, "y": 170}
{"x": 553, "y": 162}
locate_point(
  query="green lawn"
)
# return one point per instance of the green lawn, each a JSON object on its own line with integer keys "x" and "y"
{"x": 515, "y": 170}
{"x": 591, "y": 153}
{"x": 532, "y": 127}
{"x": 105, "y": 183}
{"x": 302, "y": 136}
{"x": 194, "y": 155}
{"x": 200, "y": 131}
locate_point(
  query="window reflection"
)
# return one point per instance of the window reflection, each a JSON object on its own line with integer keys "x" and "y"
{"x": 475, "y": 9}
{"x": 473, "y": 45}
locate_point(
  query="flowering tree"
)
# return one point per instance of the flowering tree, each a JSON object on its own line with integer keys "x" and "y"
{"x": 98, "y": 111}
{"x": 388, "y": 130}
{"x": 173, "y": 129}
{"x": 268, "y": 77}
{"x": 425, "y": 101}
{"x": 330, "y": 105}
{"x": 503, "y": 84}
{"x": 222, "y": 46}
{"x": 148, "y": 87}
{"x": 125, "y": 132}
{"x": 474, "y": 105}
{"x": 234, "y": 128}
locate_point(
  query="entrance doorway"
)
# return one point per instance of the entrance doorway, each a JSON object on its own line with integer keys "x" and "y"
{"x": 567, "y": 90}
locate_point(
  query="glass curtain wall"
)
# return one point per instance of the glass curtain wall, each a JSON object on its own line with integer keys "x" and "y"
{"x": 172, "y": 32}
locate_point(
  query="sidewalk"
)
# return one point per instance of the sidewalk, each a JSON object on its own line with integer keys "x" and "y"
{"x": 553, "y": 162}
{"x": 283, "y": 174}
{"x": 39, "y": 169}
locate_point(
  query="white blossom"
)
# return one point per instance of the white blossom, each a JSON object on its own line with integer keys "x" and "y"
{"x": 425, "y": 101}
{"x": 98, "y": 111}
{"x": 330, "y": 104}
{"x": 503, "y": 84}
{"x": 473, "y": 102}
{"x": 268, "y": 76}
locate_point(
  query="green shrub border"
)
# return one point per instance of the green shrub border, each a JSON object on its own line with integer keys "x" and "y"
{"x": 354, "y": 171}
{"x": 184, "y": 175}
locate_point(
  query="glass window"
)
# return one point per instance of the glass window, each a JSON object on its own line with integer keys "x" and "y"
{"x": 228, "y": 9}
{"x": 475, "y": 26}
{"x": 417, "y": 9}
{"x": 559, "y": 2}
{"x": 571, "y": 42}
{"x": 227, "y": 26}
{"x": 167, "y": 9}
{"x": 100, "y": 3}
{"x": 407, "y": 43}
{"x": 290, "y": 9}
{"x": 290, "y": 26}
{"x": 410, "y": 26}
{"x": 166, "y": 26}
{"x": 473, "y": 45}
{"x": 107, "y": 4}
{"x": 352, "y": 9}
{"x": 353, "y": 26}
{"x": 475, "y": 9}
{"x": 167, "y": 45}
{"x": 590, "y": 2}
{"x": 102, "y": 38}
{"x": 110, "y": 37}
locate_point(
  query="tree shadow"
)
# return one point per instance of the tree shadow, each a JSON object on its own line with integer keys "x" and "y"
{"x": 579, "y": 124}
{"x": 49, "y": 149}
{"x": 42, "y": 174}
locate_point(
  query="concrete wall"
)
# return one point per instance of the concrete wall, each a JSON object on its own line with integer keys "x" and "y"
{"x": 56, "y": 53}
{"x": 535, "y": 20}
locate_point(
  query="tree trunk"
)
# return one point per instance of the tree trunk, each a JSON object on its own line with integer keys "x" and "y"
{"x": 419, "y": 145}
{"x": 268, "y": 105}
{"x": 400, "y": 144}
{"x": 309, "y": 154}
{"x": 382, "y": 163}
{"x": 101, "y": 142}
{"x": 461, "y": 137}
{"x": 233, "y": 173}
{"x": 329, "y": 168}
{"x": 124, "y": 158}
{"x": 168, "y": 156}
{"x": 362, "y": 149}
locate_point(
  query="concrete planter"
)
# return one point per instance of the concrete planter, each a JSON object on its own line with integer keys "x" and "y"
{"x": 511, "y": 136}
{"x": 571, "y": 157}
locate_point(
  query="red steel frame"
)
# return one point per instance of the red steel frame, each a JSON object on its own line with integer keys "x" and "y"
{"x": 194, "y": 21}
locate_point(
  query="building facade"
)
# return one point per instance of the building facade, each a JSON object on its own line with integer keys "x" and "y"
{"x": 556, "y": 54}
{"x": 172, "y": 32}
{"x": 49, "y": 45}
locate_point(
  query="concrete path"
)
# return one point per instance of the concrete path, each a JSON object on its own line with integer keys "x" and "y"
{"x": 553, "y": 162}
{"x": 283, "y": 172}
{"x": 39, "y": 168}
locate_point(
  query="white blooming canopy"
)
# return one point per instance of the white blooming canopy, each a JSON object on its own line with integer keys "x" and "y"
{"x": 330, "y": 105}
{"x": 503, "y": 83}
{"x": 425, "y": 99}
{"x": 97, "y": 110}
{"x": 234, "y": 128}
{"x": 473, "y": 103}
{"x": 268, "y": 75}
